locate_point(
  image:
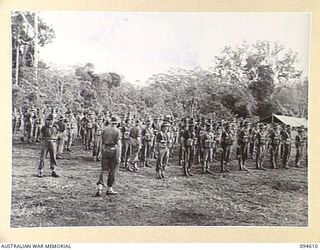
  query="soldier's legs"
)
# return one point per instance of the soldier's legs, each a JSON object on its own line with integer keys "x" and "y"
{"x": 53, "y": 152}
{"x": 44, "y": 149}
{"x": 60, "y": 145}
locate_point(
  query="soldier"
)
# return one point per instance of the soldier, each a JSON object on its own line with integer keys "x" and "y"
{"x": 156, "y": 128}
{"x": 189, "y": 144}
{"x": 135, "y": 135}
{"x": 147, "y": 139}
{"x": 275, "y": 139}
{"x": 126, "y": 143}
{"x": 300, "y": 144}
{"x": 28, "y": 125}
{"x": 243, "y": 145}
{"x": 19, "y": 117}
{"x": 61, "y": 136}
{"x": 49, "y": 136}
{"x": 181, "y": 139}
{"x": 162, "y": 141}
{"x": 226, "y": 144}
{"x": 38, "y": 123}
{"x": 97, "y": 131}
{"x": 286, "y": 138}
{"x": 261, "y": 146}
{"x": 14, "y": 120}
{"x": 207, "y": 142}
{"x": 200, "y": 130}
{"x": 111, "y": 148}
{"x": 70, "y": 129}
{"x": 252, "y": 131}
{"x": 89, "y": 131}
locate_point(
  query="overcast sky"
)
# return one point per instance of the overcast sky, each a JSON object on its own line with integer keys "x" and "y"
{"x": 138, "y": 45}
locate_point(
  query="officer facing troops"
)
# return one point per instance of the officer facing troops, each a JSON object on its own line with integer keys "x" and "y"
{"x": 300, "y": 144}
{"x": 162, "y": 142}
{"x": 274, "y": 146}
{"x": 243, "y": 146}
{"x": 189, "y": 143}
{"x": 49, "y": 136}
{"x": 111, "y": 149}
{"x": 226, "y": 144}
{"x": 261, "y": 146}
{"x": 147, "y": 140}
{"x": 207, "y": 145}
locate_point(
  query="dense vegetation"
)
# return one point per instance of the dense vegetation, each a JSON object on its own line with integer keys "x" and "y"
{"x": 248, "y": 80}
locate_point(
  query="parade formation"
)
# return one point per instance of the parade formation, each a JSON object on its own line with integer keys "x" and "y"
{"x": 131, "y": 142}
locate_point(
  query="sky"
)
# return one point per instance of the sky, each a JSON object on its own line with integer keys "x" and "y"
{"x": 140, "y": 44}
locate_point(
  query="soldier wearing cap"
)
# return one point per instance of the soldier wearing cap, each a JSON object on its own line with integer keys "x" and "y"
{"x": 275, "y": 139}
{"x": 300, "y": 144}
{"x": 189, "y": 144}
{"x": 147, "y": 139}
{"x": 111, "y": 148}
{"x": 135, "y": 137}
{"x": 97, "y": 131}
{"x": 243, "y": 145}
{"x": 207, "y": 144}
{"x": 89, "y": 131}
{"x": 49, "y": 136}
{"x": 286, "y": 138}
{"x": 261, "y": 146}
{"x": 61, "y": 136}
{"x": 126, "y": 142}
{"x": 156, "y": 126}
{"x": 28, "y": 125}
{"x": 162, "y": 142}
{"x": 226, "y": 144}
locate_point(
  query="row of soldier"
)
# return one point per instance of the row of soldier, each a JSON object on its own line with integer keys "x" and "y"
{"x": 199, "y": 141}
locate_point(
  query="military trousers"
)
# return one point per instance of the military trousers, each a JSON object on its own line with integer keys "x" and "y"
{"x": 50, "y": 147}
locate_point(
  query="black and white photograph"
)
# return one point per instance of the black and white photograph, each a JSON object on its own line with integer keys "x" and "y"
{"x": 159, "y": 119}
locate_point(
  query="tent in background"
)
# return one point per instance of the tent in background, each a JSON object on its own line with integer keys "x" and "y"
{"x": 288, "y": 120}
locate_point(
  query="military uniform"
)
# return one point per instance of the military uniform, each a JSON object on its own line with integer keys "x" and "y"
{"x": 28, "y": 125}
{"x": 49, "y": 136}
{"x": 286, "y": 138}
{"x": 261, "y": 146}
{"x": 111, "y": 148}
{"x": 126, "y": 143}
{"x": 97, "y": 131}
{"x": 300, "y": 144}
{"x": 61, "y": 137}
{"x": 243, "y": 146}
{"x": 226, "y": 145}
{"x": 275, "y": 139}
{"x": 135, "y": 135}
{"x": 162, "y": 140}
{"x": 189, "y": 144}
{"x": 207, "y": 145}
{"x": 147, "y": 140}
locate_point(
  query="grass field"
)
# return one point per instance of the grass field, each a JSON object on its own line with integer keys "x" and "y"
{"x": 258, "y": 198}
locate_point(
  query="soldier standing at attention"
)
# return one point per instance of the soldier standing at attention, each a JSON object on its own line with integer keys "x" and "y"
{"x": 135, "y": 135}
{"x": 126, "y": 143}
{"x": 286, "y": 138}
{"x": 156, "y": 128}
{"x": 274, "y": 145}
{"x": 243, "y": 146}
{"x": 226, "y": 144}
{"x": 189, "y": 143}
{"x": 111, "y": 148}
{"x": 147, "y": 139}
{"x": 97, "y": 131}
{"x": 300, "y": 146}
{"x": 49, "y": 135}
{"x": 207, "y": 142}
{"x": 162, "y": 149}
{"x": 61, "y": 136}
{"x": 261, "y": 146}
